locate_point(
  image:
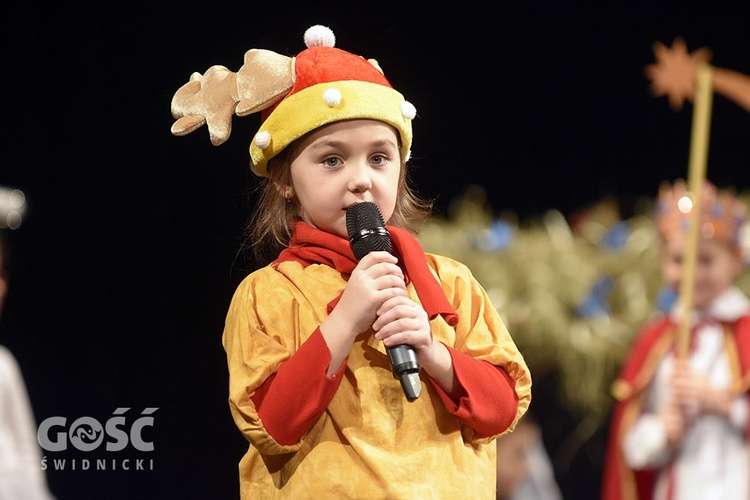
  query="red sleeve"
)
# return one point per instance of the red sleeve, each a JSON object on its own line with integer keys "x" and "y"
{"x": 485, "y": 400}
{"x": 291, "y": 400}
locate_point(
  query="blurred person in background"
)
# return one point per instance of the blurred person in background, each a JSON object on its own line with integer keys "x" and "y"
{"x": 524, "y": 470}
{"x": 21, "y": 475}
{"x": 680, "y": 426}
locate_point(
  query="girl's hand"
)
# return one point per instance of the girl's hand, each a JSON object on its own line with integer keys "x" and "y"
{"x": 376, "y": 279}
{"x": 402, "y": 321}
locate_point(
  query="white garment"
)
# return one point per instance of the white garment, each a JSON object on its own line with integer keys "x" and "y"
{"x": 21, "y": 475}
{"x": 714, "y": 459}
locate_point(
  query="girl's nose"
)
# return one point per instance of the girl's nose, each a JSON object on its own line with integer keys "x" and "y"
{"x": 359, "y": 178}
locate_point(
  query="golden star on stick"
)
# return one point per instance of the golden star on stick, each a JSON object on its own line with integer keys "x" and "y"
{"x": 675, "y": 72}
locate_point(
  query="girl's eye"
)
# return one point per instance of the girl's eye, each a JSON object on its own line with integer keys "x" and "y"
{"x": 331, "y": 161}
{"x": 379, "y": 159}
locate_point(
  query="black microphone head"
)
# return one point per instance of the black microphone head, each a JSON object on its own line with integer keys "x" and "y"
{"x": 366, "y": 229}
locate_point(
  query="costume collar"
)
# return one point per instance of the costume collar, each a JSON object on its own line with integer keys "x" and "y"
{"x": 727, "y": 307}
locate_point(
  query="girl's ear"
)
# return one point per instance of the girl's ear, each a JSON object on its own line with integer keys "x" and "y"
{"x": 286, "y": 191}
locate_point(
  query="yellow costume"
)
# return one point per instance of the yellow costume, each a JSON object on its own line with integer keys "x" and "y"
{"x": 411, "y": 450}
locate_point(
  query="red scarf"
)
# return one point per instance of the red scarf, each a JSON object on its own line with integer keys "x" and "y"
{"x": 310, "y": 245}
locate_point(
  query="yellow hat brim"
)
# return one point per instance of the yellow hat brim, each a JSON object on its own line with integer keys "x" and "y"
{"x": 306, "y": 110}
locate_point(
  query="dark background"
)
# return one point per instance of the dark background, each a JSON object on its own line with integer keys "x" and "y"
{"x": 124, "y": 266}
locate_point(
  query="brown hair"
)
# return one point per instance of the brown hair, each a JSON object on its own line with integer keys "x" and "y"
{"x": 270, "y": 227}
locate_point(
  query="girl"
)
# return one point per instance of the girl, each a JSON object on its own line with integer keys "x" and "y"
{"x": 679, "y": 430}
{"x": 310, "y": 383}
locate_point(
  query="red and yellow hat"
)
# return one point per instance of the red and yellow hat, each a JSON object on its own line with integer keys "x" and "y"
{"x": 296, "y": 95}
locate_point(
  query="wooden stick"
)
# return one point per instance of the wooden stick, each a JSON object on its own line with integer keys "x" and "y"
{"x": 696, "y": 177}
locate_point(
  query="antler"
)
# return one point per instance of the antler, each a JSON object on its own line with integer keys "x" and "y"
{"x": 263, "y": 80}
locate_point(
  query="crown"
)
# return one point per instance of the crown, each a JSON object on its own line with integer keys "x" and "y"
{"x": 722, "y": 214}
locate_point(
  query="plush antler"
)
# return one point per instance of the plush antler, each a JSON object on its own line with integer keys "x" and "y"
{"x": 263, "y": 80}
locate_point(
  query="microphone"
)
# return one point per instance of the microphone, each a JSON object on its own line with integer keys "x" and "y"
{"x": 367, "y": 233}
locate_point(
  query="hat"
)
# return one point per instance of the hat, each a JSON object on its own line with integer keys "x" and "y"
{"x": 722, "y": 214}
{"x": 296, "y": 95}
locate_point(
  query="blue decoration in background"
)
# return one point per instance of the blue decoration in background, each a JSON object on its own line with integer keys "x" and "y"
{"x": 617, "y": 236}
{"x": 595, "y": 303}
{"x": 666, "y": 299}
{"x": 498, "y": 236}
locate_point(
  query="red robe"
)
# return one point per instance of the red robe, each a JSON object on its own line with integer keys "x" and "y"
{"x": 619, "y": 482}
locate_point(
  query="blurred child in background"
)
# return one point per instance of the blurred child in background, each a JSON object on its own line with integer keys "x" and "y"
{"x": 680, "y": 426}
{"x": 524, "y": 470}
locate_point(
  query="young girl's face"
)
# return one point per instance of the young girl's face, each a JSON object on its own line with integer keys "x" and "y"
{"x": 345, "y": 163}
{"x": 717, "y": 264}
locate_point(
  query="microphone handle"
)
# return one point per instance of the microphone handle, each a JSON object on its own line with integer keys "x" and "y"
{"x": 406, "y": 368}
